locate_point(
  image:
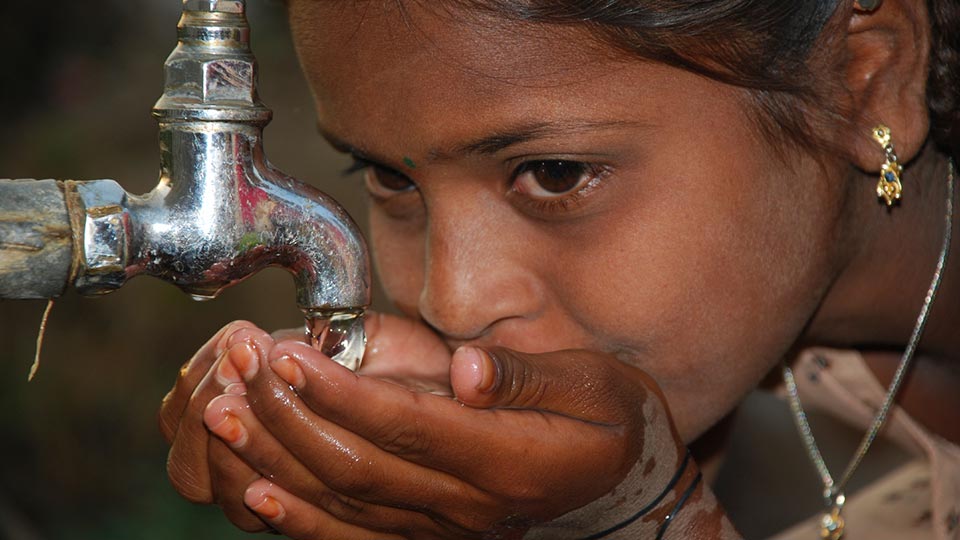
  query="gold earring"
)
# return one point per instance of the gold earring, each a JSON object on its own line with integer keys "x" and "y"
{"x": 889, "y": 186}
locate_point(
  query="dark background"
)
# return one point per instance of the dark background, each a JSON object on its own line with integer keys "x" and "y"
{"x": 80, "y": 453}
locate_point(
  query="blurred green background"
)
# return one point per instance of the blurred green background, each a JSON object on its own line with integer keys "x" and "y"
{"x": 81, "y": 453}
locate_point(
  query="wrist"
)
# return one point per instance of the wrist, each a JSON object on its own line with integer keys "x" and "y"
{"x": 639, "y": 507}
{"x": 636, "y": 506}
{"x": 667, "y": 515}
{"x": 700, "y": 518}
{"x": 687, "y": 511}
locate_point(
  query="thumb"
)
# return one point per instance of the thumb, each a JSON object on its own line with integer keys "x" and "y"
{"x": 582, "y": 384}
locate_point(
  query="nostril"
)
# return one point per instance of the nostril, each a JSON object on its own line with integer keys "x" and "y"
{"x": 474, "y": 323}
{"x": 470, "y": 303}
{"x": 453, "y": 314}
{"x": 455, "y": 340}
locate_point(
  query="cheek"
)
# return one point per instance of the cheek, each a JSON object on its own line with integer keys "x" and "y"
{"x": 398, "y": 253}
{"x": 712, "y": 275}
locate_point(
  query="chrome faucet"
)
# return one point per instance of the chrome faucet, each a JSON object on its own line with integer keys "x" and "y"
{"x": 220, "y": 211}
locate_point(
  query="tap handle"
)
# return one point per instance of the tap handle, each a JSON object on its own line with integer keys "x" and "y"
{"x": 212, "y": 75}
{"x": 215, "y": 6}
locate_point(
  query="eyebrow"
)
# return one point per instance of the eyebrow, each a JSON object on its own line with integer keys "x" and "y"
{"x": 492, "y": 143}
{"x": 501, "y": 140}
{"x": 358, "y": 153}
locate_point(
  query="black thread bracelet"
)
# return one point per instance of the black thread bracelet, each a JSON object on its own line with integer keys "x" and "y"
{"x": 646, "y": 509}
{"x": 678, "y": 506}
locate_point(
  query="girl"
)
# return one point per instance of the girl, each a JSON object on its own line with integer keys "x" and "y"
{"x": 605, "y": 223}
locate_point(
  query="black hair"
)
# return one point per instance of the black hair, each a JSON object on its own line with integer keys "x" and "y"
{"x": 764, "y": 46}
{"x": 943, "y": 83}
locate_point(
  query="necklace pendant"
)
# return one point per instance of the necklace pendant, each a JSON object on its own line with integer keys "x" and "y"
{"x": 831, "y": 525}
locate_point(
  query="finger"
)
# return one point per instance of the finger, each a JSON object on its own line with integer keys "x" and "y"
{"x": 396, "y": 420}
{"x": 344, "y": 461}
{"x": 229, "y": 417}
{"x": 230, "y": 477}
{"x": 454, "y": 446}
{"x": 400, "y": 350}
{"x": 192, "y": 372}
{"x": 297, "y": 519}
{"x": 187, "y": 464}
{"x": 381, "y": 411}
{"x": 187, "y": 459}
{"x": 563, "y": 382}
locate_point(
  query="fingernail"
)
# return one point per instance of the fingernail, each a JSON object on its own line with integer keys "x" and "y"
{"x": 231, "y": 431}
{"x": 246, "y": 359}
{"x": 483, "y": 370}
{"x": 258, "y": 501}
{"x": 227, "y": 374}
{"x": 237, "y": 389}
{"x": 223, "y": 342}
{"x": 288, "y": 370}
{"x": 270, "y": 509}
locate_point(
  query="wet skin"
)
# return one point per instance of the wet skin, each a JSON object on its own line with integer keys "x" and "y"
{"x": 534, "y": 190}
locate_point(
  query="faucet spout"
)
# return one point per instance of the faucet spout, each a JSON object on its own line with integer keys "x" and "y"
{"x": 220, "y": 211}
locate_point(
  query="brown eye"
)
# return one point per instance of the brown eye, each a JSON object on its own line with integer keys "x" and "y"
{"x": 383, "y": 183}
{"x": 550, "y": 179}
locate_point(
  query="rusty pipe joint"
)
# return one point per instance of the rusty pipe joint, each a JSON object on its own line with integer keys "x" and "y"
{"x": 220, "y": 211}
{"x": 100, "y": 220}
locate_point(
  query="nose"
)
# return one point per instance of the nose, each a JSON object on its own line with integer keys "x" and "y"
{"x": 479, "y": 273}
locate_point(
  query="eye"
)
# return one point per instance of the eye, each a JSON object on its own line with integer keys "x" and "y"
{"x": 553, "y": 179}
{"x": 552, "y": 189}
{"x": 382, "y": 182}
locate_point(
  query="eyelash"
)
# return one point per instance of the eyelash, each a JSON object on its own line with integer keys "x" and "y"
{"x": 368, "y": 167}
{"x": 540, "y": 207}
{"x": 565, "y": 202}
{"x": 358, "y": 165}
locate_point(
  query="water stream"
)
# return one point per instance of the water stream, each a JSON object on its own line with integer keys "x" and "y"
{"x": 339, "y": 335}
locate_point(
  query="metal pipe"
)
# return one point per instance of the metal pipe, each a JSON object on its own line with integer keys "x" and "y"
{"x": 220, "y": 211}
{"x": 36, "y": 248}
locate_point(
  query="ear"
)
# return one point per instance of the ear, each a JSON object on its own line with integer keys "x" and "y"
{"x": 887, "y": 52}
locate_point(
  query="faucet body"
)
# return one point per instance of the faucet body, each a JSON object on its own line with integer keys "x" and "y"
{"x": 220, "y": 211}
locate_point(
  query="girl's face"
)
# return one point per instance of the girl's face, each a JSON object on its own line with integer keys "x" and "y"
{"x": 534, "y": 189}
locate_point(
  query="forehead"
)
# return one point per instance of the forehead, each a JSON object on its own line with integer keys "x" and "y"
{"x": 377, "y": 34}
{"x": 416, "y": 71}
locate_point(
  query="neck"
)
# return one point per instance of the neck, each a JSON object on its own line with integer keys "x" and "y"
{"x": 874, "y": 302}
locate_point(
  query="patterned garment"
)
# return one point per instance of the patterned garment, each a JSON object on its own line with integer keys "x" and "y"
{"x": 919, "y": 500}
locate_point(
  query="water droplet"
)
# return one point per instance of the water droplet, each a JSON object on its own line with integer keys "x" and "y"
{"x": 202, "y": 297}
{"x": 339, "y": 335}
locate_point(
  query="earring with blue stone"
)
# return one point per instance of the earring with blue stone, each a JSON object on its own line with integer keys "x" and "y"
{"x": 889, "y": 186}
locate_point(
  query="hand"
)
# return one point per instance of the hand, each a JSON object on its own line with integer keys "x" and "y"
{"x": 351, "y": 456}
{"x": 209, "y": 374}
